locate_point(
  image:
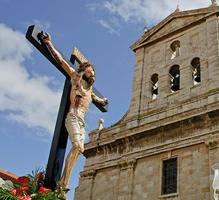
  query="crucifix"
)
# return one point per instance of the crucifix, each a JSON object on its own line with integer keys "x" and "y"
{"x": 59, "y": 142}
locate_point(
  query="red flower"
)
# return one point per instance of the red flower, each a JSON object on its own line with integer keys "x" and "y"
{"x": 18, "y": 191}
{"x": 23, "y": 180}
{"x": 14, "y": 192}
{"x": 44, "y": 190}
{"x": 22, "y": 189}
{"x": 25, "y": 197}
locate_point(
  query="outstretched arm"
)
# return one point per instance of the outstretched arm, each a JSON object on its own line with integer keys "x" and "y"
{"x": 46, "y": 38}
{"x": 103, "y": 101}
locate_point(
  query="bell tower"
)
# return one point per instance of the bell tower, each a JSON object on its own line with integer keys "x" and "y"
{"x": 176, "y": 62}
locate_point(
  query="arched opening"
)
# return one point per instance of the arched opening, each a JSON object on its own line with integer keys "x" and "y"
{"x": 154, "y": 87}
{"x": 196, "y": 71}
{"x": 175, "y": 47}
{"x": 174, "y": 78}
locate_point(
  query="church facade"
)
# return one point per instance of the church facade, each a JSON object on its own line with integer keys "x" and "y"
{"x": 167, "y": 143}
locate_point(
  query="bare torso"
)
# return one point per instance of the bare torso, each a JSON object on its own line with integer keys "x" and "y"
{"x": 80, "y": 96}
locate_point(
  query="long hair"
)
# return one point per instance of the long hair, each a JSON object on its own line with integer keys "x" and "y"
{"x": 83, "y": 66}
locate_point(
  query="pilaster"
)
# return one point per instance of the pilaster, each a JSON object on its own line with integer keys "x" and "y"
{"x": 85, "y": 188}
{"x": 126, "y": 178}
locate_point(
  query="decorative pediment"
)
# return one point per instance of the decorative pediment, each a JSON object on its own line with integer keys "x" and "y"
{"x": 175, "y": 22}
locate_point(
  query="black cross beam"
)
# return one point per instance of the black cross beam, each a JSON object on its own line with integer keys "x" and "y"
{"x": 59, "y": 142}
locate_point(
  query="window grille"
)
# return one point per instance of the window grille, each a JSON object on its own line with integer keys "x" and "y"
{"x": 169, "y": 177}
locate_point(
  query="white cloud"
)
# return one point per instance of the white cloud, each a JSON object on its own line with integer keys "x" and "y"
{"x": 112, "y": 25}
{"x": 25, "y": 98}
{"x": 147, "y": 10}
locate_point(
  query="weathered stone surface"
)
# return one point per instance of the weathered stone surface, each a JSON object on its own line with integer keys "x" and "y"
{"x": 125, "y": 162}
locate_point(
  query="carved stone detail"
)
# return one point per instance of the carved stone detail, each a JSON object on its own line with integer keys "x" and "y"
{"x": 88, "y": 174}
{"x": 127, "y": 164}
{"x": 212, "y": 143}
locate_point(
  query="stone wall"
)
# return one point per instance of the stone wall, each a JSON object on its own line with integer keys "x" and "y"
{"x": 118, "y": 172}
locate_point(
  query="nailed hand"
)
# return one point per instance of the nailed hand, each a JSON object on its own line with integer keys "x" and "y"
{"x": 45, "y": 37}
{"x": 105, "y": 101}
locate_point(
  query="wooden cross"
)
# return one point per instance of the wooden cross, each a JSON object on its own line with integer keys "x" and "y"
{"x": 59, "y": 142}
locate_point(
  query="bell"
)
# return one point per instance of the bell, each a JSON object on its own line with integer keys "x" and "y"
{"x": 155, "y": 90}
{"x": 197, "y": 78}
{"x": 174, "y": 82}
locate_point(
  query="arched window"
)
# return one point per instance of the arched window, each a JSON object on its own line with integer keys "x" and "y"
{"x": 175, "y": 47}
{"x": 196, "y": 72}
{"x": 154, "y": 86}
{"x": 174, "y": 78}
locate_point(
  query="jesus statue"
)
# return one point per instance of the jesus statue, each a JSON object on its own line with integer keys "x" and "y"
{"x": 81, "y": 95}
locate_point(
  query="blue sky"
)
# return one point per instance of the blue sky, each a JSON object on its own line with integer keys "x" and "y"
{"x": 30, "y": 87}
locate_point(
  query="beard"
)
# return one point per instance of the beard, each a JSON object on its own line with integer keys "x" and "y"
{"x": 90, "y": 80}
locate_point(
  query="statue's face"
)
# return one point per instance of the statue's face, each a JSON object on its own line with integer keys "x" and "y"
{"x": 90, "y": 74}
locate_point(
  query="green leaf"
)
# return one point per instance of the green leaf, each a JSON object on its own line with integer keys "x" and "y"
{"x": 6, "y": 195}
{"x": 47, "y": 196}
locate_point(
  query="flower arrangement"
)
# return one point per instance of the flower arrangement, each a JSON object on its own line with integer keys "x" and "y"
{"x": 28, "y": 187}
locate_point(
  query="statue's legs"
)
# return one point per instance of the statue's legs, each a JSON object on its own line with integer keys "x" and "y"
{"x": 76, "y": 131}
{"x": 70, "y": 162}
